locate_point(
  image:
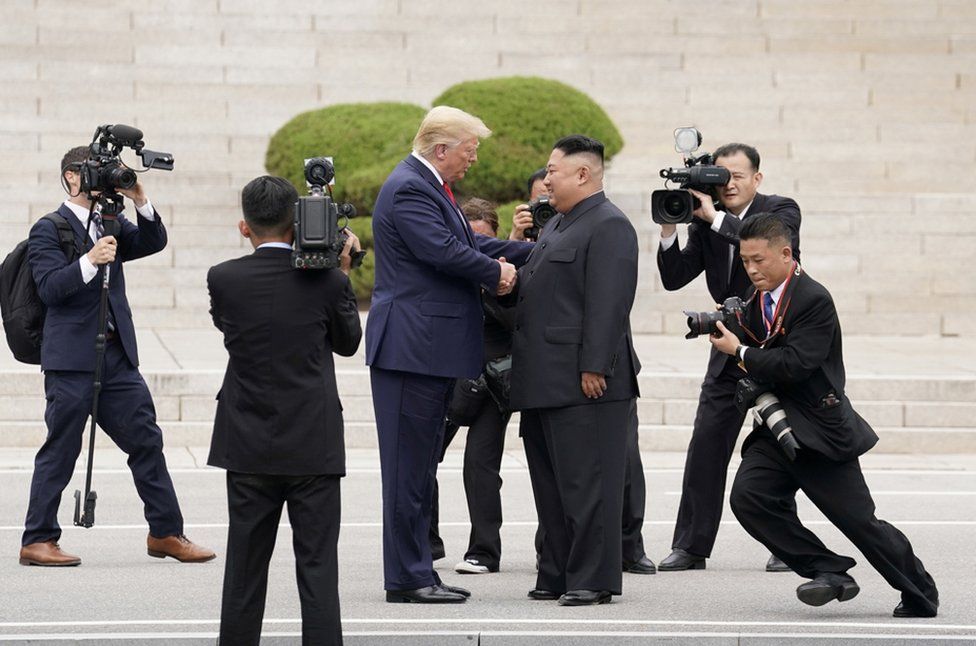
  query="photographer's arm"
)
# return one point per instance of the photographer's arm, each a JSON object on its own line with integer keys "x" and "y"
{"x": 149, "y": 236}
{"x": 55, "y": 277}
{"x": 214, "y": 309}
{"x": 807, "y": 347}
{"x": 679, "y": 266}
{"x": 345, "y": 329}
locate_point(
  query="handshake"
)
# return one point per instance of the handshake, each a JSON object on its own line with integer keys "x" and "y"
{"x": 506, "y": 277}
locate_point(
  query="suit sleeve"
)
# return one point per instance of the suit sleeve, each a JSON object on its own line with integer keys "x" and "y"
{"x": 806, "y": 348}
{"x": 147, "y": 238}
{"x": 514, "y": 251}
{"x": 418, "y": 222}
{"x": 608, "y": 293}
{"x": 679, "y": 267}
{"x": 214, "y": 307}
{"x": 345, "y": 329}
{"x": 787, "y": 210}
{"x": 55, "y": 277}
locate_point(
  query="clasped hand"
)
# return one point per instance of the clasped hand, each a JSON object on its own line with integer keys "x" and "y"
{"x": 506, "y": 277}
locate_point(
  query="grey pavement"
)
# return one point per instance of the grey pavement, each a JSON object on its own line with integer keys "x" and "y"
{"x": 121, "y": 596}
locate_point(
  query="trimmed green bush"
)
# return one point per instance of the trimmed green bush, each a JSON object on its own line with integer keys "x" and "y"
{"x": 527, "y": 115}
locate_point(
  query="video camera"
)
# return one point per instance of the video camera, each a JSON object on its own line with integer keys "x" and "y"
{"x": 675, "y": 206}
{"x": 541, "y": 212}
{"x": 705, "y": 322}
{"x": 318, "y": 237}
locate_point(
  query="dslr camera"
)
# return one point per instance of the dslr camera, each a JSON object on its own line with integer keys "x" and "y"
{"x": 675, "y": 206}
{"x": 769, "y": 412}
{"x": 705, "y": 322}
{"x": 541, "y": 212}
{"x": 318, "y": 237}
{"x": 105, "y": 172}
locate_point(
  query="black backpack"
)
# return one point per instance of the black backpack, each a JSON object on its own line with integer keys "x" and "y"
{"x": 23, "y": 311}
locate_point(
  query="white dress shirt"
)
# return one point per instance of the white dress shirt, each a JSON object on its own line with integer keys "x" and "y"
{"x": 776, "y": 293}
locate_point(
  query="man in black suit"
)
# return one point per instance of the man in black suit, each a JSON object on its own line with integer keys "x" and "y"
{"x": 278, "y": 429}
{"x": 712, "y": 247}
{"x": 71, "y": 292}
{"x": 793, "y": 347}
{"x": 574, "y": 376}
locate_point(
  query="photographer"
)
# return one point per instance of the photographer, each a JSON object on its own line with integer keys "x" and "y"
{"x": 793, "y": 346}
{"x": 71, "y": 292}
{"x": 712, "y": 247}
{"x": 278, "y": 430}
{"x": 522, "y": 219}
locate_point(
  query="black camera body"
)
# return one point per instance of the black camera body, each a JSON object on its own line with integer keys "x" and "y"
{"x": 318, "y": 237}
{"x": 541, "y": 212}
{"x": 675, "y": 206}
{"x": 705, "y": 322}
{"x": 105, "y": 172}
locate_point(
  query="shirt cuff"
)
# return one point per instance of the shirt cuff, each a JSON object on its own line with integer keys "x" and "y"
{"x": 742, "y": 353}
{"x": 717, "y": 222}
{"x": 88, "y": 270}
{"x": 147, "y": 211}
{"x": 667, "y": 242}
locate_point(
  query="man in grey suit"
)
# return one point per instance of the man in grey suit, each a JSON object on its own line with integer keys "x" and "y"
{"x": 574, "y": 376}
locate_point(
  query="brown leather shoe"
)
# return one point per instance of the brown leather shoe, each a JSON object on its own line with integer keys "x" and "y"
{"x": 179, "y": 547}
{"x": 47, "y": 554}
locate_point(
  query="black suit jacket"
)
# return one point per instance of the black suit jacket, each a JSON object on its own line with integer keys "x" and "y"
{"x": 278, "y": 410}
{"x": 805, "y": 364}
{"x": 708, "y": 251}
{"x": 573, "y": 309}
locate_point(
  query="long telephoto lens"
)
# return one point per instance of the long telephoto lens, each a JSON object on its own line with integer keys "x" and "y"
{"x": 771, "y": 412}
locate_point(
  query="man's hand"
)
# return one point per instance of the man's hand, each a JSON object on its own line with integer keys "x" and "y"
{"x": 103, "y": 252}
{"x": 136, "y": 194}
{"x": 593, "y": 384}
{"x": 706, "y": 211}
{"x": 667, "y": 230}
{"x": 345, "y": 256}
{"x": 726, "y": 341}
{"x": 521, "y": 221}
{"x": 506, "y": 278}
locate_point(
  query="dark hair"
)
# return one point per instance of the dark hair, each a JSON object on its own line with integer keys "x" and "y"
{"x": 73, "y": 159}
{"x": 268, "y": 204}
{"x": 730, "y": 149}
{"x": 533, "y": 178}
{"x": 476, "y": 209}
{"x": 765, "y": 226}
{"x": 574, "y": 144}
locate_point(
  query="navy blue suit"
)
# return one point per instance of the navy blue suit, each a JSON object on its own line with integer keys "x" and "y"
{"x": 424, "y": 330}
{"x": 125, "y": 410}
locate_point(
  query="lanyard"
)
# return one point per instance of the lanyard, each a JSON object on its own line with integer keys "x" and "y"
{"x": 781, "y": 306}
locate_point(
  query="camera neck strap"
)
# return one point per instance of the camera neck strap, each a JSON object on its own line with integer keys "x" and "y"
{"x": 775, "y": 326}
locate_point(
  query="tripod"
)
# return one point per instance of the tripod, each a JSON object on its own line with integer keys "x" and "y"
{"x": 107, "y": 207}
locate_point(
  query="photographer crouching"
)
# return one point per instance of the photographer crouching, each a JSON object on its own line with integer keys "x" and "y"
{"x": 278, "y": 430}
{"x": 807, "y": 435}
{"x": 70, "y": 274}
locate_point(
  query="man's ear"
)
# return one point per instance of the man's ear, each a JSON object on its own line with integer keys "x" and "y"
{"x": 759, "y": 177}
{"x": 244, "y": 229}
{"x": 583, "y": 175}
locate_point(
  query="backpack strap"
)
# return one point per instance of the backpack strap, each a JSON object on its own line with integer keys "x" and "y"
{"x": 66, "y": 235}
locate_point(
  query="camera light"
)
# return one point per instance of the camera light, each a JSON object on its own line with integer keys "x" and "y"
{"x": 687, "y": 139}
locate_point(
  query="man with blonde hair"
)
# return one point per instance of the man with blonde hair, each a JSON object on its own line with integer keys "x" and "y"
{"x": 424, "y": 331}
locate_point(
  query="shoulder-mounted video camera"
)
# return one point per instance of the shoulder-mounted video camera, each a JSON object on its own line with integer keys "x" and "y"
{"x": 541, "y": 212}
{"x": 675, "y": 206}
{"x": 318, "y": 237}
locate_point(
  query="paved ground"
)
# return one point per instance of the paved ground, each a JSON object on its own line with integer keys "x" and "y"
{"x": 120, "y": 595}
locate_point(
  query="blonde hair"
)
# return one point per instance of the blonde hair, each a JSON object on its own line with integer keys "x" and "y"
{"x": 448, "y": 126}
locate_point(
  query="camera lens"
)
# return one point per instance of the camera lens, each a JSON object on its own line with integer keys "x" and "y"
{"x": 120, "y": 177}
{"x": 319, "y": 171}
{"x": 674, "y": 206}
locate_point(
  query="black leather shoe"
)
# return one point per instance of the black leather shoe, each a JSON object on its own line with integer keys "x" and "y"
{"x": 643, "y": 565}
{"x": 542, "y": 595}
{"x": 430, "y": 594}
{"x": 776, "y": 565}
{"x": 679, "y": 559}
{"x": 827, "y": 587}
{"x": 902, "y": 611}
{"x": 456, "y": 590}
{"x": 585, "y": 598}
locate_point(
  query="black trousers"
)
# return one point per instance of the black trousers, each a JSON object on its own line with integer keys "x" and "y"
{"x": 127, "y": 415}
{"x": 576, "y": 457}
{"x": 717, "y": 426}
{"x": 764, "y": 500}
{"x": 254, "y": 503}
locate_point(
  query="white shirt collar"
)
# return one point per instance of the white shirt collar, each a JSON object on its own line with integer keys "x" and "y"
{"x": 776, "y": 293}
{"x": 745, "y": 210}
{"x": 430, "y": 167}
{"x": 80, "y": 212}
{"x": 274, "y": 245}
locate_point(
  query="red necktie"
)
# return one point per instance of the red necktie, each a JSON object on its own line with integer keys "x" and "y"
{"x": 450, "y": 193}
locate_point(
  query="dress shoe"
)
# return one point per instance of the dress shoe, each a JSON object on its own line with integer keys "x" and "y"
{"x": 47, "y": 554}
{"x": 827, "y": 587}
{"x": 543, "y": 595}
{"x": 178, "y": 547}
{"x": 902, "y": 611}
{"x": 585, "y": 598}
{"x": 643, "y": 565}
{"x": 776, "y": 565}
{"x": 464, "y": 592}
{"x": 430, "y": 594}
{"x": 679, "y": 559}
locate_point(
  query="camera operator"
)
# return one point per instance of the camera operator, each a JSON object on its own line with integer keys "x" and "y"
{"x": 793, "y": 344}
{"x": 71, "y": 293}
{"x": 712, "y": 247}
{"x": 278, "y": 430}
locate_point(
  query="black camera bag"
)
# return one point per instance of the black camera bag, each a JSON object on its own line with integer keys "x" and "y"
{"x": 467, "y": 401}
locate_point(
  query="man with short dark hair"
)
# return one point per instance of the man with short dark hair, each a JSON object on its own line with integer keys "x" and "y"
{"x": 793, "y": 349}
{"x": 712, "y": 247}
{"x": 278, "y": 430}
{"x": 574, "y": 376}
{"x": 72, "y": 293}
